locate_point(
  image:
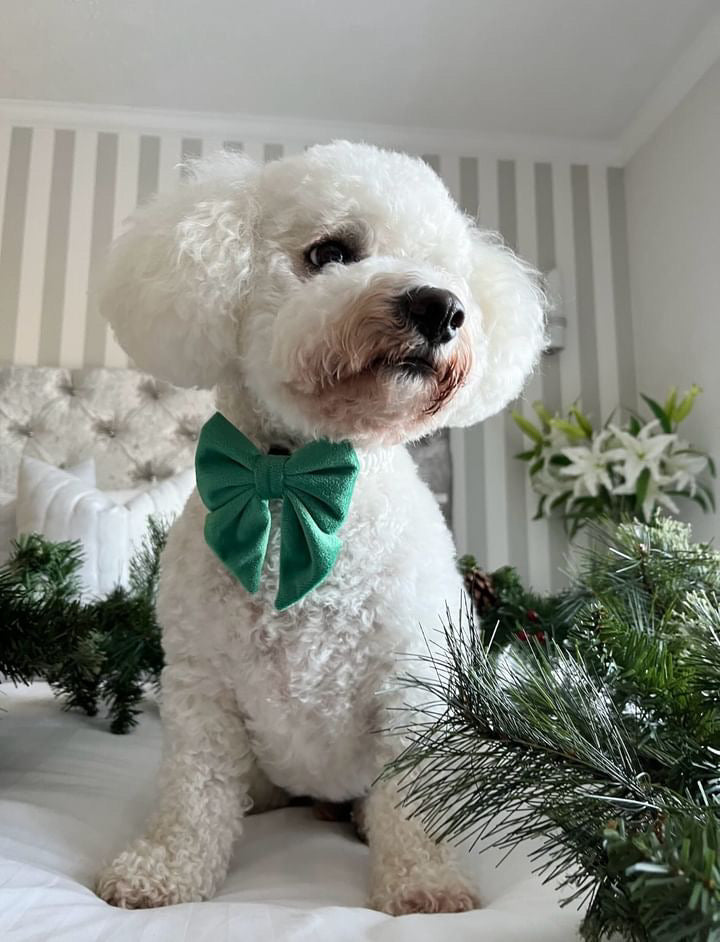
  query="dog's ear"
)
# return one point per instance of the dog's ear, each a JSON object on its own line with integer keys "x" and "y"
{"x": 175, "y": 284}
{"x": 510, "y": 336}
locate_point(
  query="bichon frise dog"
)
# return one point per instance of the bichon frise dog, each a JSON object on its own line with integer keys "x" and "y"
{"x": 335, "y": 297}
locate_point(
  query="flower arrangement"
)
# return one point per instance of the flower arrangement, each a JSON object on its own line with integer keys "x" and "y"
{"x": 582, "y": 474}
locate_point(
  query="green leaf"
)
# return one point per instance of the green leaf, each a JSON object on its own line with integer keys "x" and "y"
{"x": 540, "y": 508}
{"x": 583, "y": 421}
{"x": 711, "y": 466}
{"x": 573, "y": 432}
{"x": 538, "y": 466}
{"x": 671, "y": 401}
{"x": 530, "y": 430}
{"x": 708, "y": 492}
{"x": 641, "y": 488}
{"x": 634, "y": 425}
{"x": 585, "y": 502}
{"x": 683, "y": 410}
{"x": 577, "y": 522}
{"x": 528, "y": 455}
{"x": 542, "y": 414}
{"x": 697, "y": 497}
{"x": 561, "y": 461}
{"x": 659, "y": 413}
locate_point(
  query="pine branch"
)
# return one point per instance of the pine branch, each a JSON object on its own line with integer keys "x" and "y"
{"x": 520, "y": 747}
{"x": 105, "y": 651}
{"x": 602, "y": 750}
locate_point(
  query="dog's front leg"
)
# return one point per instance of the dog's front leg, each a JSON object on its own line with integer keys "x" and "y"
{"x": 409, "y": 872}
{"x": 204, "y": 784}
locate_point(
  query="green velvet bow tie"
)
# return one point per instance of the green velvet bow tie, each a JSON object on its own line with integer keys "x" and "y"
{"x": 236, "y": 482}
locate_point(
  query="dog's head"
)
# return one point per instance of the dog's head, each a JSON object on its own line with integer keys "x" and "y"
{"x": 342, "y": 288}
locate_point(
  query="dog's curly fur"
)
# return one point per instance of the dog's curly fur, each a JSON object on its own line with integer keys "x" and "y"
{"x": 214, "y": 286}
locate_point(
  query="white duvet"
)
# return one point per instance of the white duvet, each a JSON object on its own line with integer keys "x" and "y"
{"x": 71, "y": 794}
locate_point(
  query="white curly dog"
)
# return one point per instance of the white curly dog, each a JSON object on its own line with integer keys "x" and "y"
{"x": 337, "y": 294}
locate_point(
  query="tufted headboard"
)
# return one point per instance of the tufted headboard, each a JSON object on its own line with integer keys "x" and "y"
{"x": 138, "y": 428}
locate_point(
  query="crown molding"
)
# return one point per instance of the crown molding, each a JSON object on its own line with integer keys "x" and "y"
{"x": 703, "y": 53}
{"x": 300, "y": 131}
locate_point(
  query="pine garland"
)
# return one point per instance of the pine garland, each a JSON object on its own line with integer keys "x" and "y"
{"x": 603, "y": 749}
{"x": 101, "y": 652}
{"x": 506, "y": 610}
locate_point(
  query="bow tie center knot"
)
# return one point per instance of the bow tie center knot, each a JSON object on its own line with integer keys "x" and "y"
{"x": 270, "y": 476}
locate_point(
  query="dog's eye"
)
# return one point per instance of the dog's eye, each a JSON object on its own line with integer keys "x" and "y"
{"x": 330, "y": 252}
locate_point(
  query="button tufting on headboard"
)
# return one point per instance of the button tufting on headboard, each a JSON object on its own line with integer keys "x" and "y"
{"x": 126, "y": 419}
{"x": 22, "y": 431}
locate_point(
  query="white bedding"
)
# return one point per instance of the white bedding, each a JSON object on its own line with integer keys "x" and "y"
{"x": 71, "y": 794}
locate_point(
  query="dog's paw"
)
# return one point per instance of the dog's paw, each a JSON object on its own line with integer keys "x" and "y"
{"x": 431, "y": 894}
{"x": 142, "y": 879}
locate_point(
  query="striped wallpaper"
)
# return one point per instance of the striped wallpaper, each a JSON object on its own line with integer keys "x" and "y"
{"x": 64, "y": 193}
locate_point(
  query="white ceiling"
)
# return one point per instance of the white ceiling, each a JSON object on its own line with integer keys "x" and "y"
{"x": 564, "y": 68}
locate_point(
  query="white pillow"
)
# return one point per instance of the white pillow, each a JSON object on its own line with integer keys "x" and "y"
{"x": 85, "y": 471}
{"x": 60, "y": 507}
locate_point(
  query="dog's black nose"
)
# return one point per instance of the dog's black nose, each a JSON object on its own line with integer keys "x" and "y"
{"x": 436, "y": 313}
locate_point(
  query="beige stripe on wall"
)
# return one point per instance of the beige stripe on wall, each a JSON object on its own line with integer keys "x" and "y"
{"x": 192, "y": 148}
{"x": 101, "y": 234}
{"x": 124, "y": 203}
{"x": 13, "y": 229}
{"x": 493, "y": 498}
{"x": 169, "y": 163}
{"x": 5, "y": 138}
{"x": 148, "y": 168}
{"x": 477, "y": 535}
{"x": 538, "y": 532}
{"x": 56, "y": 250}
{"x": 34, "y": 244}
{"x": 565, "y": 258}
{"x": 77, "y": 275}
{"x": 272, "y": 152}
{"x": 621, "y": 287}
{"x": 515, "y": 472}
{"x": 604, "y": 302}
{"x": 550, "y": 366}
{"x": 585, "y": 287}
{"x": 546, "y": 262}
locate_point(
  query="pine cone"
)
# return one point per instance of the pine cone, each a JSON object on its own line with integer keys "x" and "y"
{"x": 479, "y": 586}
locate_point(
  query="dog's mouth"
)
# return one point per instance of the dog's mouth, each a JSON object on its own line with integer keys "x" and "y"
{"x": 412, "y": 367}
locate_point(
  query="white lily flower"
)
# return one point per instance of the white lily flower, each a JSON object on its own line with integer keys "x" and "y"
{"x": 589, "y": 466}
{"x": 682, "y": 468}
{"x": 655, "y": 496}
{"x": 638, "y": 452}
{"x": 547, "y": 483}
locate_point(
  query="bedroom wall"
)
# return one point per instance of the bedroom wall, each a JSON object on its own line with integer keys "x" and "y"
{"x": 673, "y": 193}
{"x": 68, "y": 180}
